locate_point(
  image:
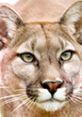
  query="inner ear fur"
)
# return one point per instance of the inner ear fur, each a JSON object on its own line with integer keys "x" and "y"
{"x": 72, "y": 19}
{"x": 10, "y": 22}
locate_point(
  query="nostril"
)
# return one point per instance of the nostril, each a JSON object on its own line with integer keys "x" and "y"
{"x": 52, "y": 86}
{"x": 45, "y": 85}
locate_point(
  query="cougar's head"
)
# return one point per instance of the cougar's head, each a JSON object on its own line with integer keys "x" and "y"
{"x": 44, "y": 60}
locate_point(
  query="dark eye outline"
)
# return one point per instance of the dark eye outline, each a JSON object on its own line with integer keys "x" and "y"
{"x": 21, "y": 55}
{"x": 72, "y": 52}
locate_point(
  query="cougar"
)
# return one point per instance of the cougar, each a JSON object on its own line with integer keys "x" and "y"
{"x": 41, "y": 65}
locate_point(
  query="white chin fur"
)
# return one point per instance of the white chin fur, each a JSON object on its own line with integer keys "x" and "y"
{"x": 46, "y": 102}
{"x": 43, "y": 95}
{"x": 51, "y": 106}
{"x": 60, "y": 94}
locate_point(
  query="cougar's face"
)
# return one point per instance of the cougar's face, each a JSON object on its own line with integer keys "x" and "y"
{"x": 48, "y": 68}
{"x": 40, "y": 62}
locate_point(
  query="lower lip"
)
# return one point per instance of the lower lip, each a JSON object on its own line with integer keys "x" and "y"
{"x": 51, "y": 100}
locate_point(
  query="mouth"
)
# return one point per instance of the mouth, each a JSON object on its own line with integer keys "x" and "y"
{"x": 45, "y": 101}
{"x": 51, "y": 105}
{"x": 48, "y": 102}
{"x": 52, "y": 100}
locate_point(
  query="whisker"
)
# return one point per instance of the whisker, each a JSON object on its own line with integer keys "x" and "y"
{"x": 12, "y": 100}
{"x": 8, "y": 101}
{"x": 20, "y": 105}
{"x": 34, "y": 103}
{"x": 26, "y": 101}
{"x": 77, "y": 96}
{"x": 71, "y": 99}
{"x": 10, "y": 96}
{"x": 76, "y": 99}
{"x": 30, "y": 105}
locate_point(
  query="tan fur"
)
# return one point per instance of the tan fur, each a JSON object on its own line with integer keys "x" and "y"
{"x": 42, "y": 10}
{"x": 46, "y": 41}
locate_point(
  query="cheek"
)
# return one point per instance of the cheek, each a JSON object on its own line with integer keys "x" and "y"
{"x": 74, "y": 71}
{"x": 72, "y": 68}
{"x": 78, "y": 79}
{"x": 23, "y": 70}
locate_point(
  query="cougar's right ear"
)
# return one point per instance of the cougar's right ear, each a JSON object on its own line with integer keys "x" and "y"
{"x": 72, "y": 20}
{"x": 10, "y": 22}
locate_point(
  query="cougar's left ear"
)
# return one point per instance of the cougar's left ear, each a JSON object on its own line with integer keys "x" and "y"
{"x": 72, "y": 19}
{"x": 9, "y": 23}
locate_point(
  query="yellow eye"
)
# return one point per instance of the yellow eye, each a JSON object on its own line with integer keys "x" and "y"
{"x": 27, "y": 57}
{"x": 67, "y": 55}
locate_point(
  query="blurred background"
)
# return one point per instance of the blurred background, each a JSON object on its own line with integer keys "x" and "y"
{"x": 8, "y": 1}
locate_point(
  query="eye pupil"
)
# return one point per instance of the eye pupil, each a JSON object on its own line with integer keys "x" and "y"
{"x": 66, "y": 54}
{"x": 28, "y": 56}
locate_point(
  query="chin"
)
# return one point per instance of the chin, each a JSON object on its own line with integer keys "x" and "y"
{"x": 51, "y": 106}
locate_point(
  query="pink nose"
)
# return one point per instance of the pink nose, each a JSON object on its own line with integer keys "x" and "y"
{"x": 52, "y": 86}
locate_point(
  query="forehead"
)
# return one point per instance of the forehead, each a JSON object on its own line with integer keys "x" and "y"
{"x": 42, "y": 36}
